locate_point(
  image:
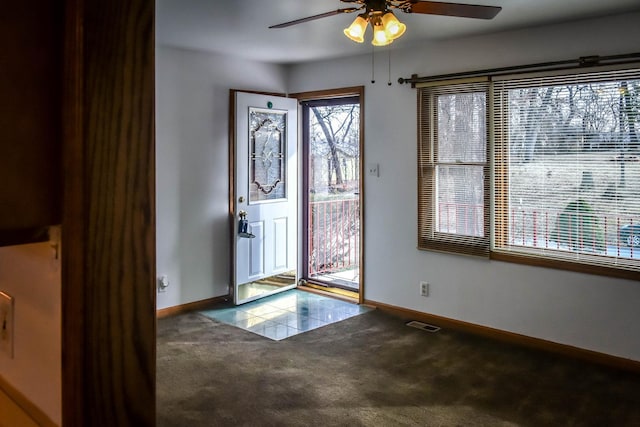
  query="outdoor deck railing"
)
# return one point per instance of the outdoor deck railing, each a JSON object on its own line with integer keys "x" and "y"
{"x": 334, "y": 231}
{"x": 547, "y": 229}
{"x": 334, "y": 235}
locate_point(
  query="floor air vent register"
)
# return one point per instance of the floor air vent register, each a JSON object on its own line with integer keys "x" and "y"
{"x": 424, "y": 326}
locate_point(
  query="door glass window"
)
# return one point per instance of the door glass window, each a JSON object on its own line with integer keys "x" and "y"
{"x": 267, "y": 159}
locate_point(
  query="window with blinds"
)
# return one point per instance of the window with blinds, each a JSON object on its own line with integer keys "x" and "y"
{"x": 567, "y": 169}
{"x": 453, "y": 173}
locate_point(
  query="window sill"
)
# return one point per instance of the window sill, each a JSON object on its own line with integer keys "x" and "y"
{"x": 565, "y": 265}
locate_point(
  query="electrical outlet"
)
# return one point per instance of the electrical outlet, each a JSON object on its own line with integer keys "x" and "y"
{"x": 424, "y": 289}
{"x": 6, "y": 325}
{"x": 374, "y": 169}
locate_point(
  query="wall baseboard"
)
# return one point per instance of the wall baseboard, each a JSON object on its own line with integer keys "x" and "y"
{"x": 510, "y": 337}
{"x": 17, "y": 410}
{"x": 192, "y": 306}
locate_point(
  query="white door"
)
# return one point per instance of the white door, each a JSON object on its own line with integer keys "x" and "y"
{"x": 265, "y": 188}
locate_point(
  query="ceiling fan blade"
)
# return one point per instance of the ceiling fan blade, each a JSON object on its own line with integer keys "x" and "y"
{"x": 314, "y": 17}
{"x": 455, "y": 9}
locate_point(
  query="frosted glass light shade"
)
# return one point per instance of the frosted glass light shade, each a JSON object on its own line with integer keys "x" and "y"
{"x": 392, "y": 26}
{"x": 380, "y": 37}
{"x": 356, "y": 30}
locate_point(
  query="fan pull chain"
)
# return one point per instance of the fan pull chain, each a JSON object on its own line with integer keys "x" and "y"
{"x": 373, "y": 79}
{"x": 389, "y": 82}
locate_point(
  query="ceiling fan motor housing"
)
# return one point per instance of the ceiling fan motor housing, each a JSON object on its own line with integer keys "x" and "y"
{"x": 376, "y": 5}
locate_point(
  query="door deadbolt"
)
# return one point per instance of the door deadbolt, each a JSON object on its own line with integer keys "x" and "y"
{"x": 241, "y": 199}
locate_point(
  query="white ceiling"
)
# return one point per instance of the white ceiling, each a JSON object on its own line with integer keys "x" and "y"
{"x": 240, "y": 27}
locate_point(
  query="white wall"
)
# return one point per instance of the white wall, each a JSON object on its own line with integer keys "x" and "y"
{"x": 192, "y": 121}
{"x": 31, "y": 275}
{"x": 591, "y": 312}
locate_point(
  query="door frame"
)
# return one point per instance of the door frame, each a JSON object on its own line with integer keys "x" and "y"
{"x": 108, "y": 294}
{"x": 353, "y": 91}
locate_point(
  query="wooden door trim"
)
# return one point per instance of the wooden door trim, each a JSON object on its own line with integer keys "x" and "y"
{"x": 357, "y": 91}
{"x": 108, "y": 251}
{"x": 73, "y": 274}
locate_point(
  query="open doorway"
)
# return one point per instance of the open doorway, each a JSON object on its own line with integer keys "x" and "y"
{"x": 332, "y": 191}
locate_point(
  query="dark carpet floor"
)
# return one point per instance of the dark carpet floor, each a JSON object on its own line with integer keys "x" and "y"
{"x": 373, "y": 370}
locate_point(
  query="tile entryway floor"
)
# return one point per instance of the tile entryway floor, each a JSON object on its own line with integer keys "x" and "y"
{"x": 283, "y": 315}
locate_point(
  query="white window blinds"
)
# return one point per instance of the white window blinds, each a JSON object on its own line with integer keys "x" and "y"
{"x": 567, "y": 168}
{"x": 453, "y": 173}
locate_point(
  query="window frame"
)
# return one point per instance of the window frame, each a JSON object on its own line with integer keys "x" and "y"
{"x": 497, "y": 175}
{"x": 428, "y": 237}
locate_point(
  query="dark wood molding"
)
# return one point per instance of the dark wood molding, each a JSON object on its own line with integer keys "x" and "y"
{"x": 108, "y": 255}
{"x": 73, "y": 223}
{"x": 510, "y": 337}
{"x": 192, "y": 306}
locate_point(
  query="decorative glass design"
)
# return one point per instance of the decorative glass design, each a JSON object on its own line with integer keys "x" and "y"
{"x": 267, "y": 155}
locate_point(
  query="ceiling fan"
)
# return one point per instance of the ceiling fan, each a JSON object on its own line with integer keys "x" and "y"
{"x": 386, "y": 27}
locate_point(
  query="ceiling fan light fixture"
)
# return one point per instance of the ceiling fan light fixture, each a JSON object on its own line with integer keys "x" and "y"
{"x": 386, "y": 27}
{"x": 392, "y": 26}
{"x": 356, "y": 30}
{"x": 380, "y": 36}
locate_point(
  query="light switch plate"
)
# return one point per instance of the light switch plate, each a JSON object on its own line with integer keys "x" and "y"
{"x": 6, "y": 325}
